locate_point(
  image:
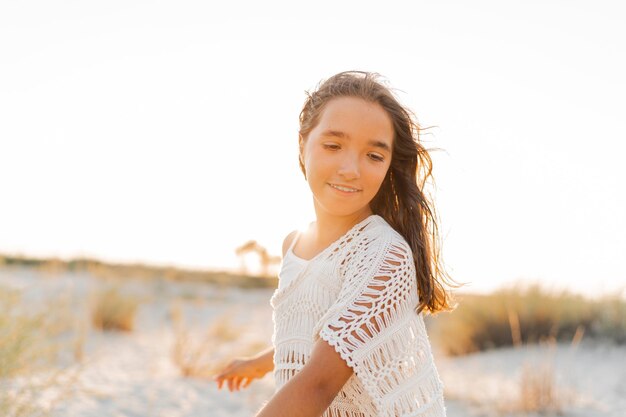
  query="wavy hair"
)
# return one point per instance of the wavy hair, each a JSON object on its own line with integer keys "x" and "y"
{"x": 400, "y": 200}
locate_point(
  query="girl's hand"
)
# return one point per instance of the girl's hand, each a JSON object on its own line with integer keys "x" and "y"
{"x": 239, "y": 373}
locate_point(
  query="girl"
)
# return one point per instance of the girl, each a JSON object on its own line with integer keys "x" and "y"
{"x": 349, "y": 338}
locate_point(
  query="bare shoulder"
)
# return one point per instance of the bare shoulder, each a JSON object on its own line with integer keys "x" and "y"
{"x": 287, "y": 242}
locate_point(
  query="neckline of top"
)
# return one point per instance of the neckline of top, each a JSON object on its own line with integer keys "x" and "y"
{"x": 280, "y": 294}
{"x": 331, "y": 245}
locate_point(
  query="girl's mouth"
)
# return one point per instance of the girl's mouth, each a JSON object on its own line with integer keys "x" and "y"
{"x": 344, "y": 188}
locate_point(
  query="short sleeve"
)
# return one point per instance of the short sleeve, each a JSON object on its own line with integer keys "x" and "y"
{"x": 367, "y": 324}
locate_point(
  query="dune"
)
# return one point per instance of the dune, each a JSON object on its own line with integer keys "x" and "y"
{"x": 133, "y": 373}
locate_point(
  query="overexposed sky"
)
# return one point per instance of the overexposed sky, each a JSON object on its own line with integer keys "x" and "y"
{"x": 166, "y": 132}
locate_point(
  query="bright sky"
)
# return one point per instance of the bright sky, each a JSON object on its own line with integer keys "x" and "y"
{"x": 166, "y": 132}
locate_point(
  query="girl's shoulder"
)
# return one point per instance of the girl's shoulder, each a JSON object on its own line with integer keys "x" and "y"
{"x": 383, "y": 231}
{"x": 377, "y": 236}
{"x": 288, "y": 240}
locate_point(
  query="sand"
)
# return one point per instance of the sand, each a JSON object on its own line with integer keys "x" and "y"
{"x": 133, "y": 374}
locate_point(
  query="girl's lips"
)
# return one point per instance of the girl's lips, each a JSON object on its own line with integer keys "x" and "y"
{"x": 344, "y": 189}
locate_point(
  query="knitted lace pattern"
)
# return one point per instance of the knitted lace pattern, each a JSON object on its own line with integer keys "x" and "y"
{"x": 359, "y": 295}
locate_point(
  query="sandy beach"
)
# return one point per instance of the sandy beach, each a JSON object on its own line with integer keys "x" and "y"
{"x": 133, "y": 374}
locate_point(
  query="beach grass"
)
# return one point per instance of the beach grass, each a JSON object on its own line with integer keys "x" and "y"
{"x": 31, "y": 341}
{"x": 23, "y": 345}
{"x": 520, "y": 315}
{"x": 538, "y": 390}
{"x": 113, "y": 309}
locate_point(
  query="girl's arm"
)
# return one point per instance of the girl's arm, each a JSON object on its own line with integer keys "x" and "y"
{"x": 266, "y": 359}
{"x": 240, "y": 372}
{"x": 312, "y": 390}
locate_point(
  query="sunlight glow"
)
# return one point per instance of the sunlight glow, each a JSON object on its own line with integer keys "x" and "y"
{"x": 167, "y": 133}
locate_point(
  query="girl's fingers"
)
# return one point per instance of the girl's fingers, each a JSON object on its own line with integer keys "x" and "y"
{"x": 219, "y": 378}
{"x": 231, "y": 383}
{"x": 234, "y": 383}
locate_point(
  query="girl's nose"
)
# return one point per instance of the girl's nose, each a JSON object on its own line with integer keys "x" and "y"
{"x": 349, "y": 168}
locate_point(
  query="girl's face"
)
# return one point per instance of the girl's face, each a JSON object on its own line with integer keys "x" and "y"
{"x": 347, "y": 154}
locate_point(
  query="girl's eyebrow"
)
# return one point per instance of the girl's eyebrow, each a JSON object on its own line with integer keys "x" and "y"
{"x": 373, "y": 142}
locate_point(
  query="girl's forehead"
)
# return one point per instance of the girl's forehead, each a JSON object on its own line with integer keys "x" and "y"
{"x": 351, "y": 104}
{"x": 351, "y": 115}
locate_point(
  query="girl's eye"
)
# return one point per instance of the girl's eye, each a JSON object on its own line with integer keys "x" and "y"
{"x": 334, "y": 147}
{"x": 376, "y": 157}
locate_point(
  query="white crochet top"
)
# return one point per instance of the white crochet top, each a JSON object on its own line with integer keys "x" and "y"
{"x": 363, "y": 280}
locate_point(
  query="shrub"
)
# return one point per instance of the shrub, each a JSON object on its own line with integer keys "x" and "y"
{"x": 28, "y": 351}
{"x": 23, "y": 346}
{"x": 114, "y": 310}
{"x": 539, "y": 392}
{"x": 526, "y": 315}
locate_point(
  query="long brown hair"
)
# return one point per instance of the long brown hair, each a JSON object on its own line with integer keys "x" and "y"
{"x": 400, "y": 200}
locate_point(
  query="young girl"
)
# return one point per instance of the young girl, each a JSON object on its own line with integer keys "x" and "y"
{"x": 349, "y": 338}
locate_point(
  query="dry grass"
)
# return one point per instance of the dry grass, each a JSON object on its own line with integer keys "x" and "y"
{"x": 198, "y": 354}
{"x": 113, "y": 310}
{"x": 538, "y": 390}
{"x": 519, "y": 315}
{"x": 534, "y": 387}
{"x": 23, "y": 346}
{"x": 23, "y": 396}
{"x": 19, "y": 405}
{"x": 29, "y": 350}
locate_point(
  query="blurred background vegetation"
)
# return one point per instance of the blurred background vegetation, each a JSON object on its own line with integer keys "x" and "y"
{"x": 51, "y": 338}
{"x": 525, "y": 315}
{"x": 521, "y": 314}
